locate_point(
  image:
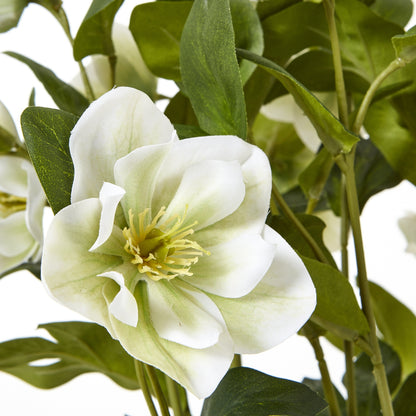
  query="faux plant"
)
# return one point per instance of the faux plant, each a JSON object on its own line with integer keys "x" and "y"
{"x": 191, "y": 230}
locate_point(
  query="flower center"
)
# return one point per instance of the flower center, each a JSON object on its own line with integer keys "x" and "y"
{"x": 162, "y": 250}
{"x": 10, "y": 204}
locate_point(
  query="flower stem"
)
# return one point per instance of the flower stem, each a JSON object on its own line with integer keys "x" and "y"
{"x": 369, "y": 95}
{"x": 329, "y": 390}
{"x": 305, "y": 233}
{"x": 157, "y": 390}
{"x": 141, "y": 377}
{"x": 376, "y": 358}
{"x": 174, "y": 396}
{"x": 352, "y": 404}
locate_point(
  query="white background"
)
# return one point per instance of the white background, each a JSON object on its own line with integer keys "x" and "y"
{"x": 24, "y": 303}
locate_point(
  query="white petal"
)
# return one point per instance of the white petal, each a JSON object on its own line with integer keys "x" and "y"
{"x": 281, "y": 109}
{"x": 408, "y": 226}
{"x": 184, "y": 315}
{"x": 15, "y": 237}
{"x": 210, "y": 190}
{"x": 137, "y": 173}
{"x": 6, "y": 120}
{"x": 124, "y": 306}
{"x": 110, "y": 196}
{"x": 277, "y": 308}
{"x": 234, "y": 268}
{"x": 36, "y": 201}
{"x": 13, "y": 175}
{"x": 69, "y": 270}
{"x": 198, "y": 370}
{"x": 117, "y": 123}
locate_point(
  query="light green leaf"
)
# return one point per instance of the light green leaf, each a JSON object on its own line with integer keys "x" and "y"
{"x": 405, "y": 45}
{"x": 212, "y": 80}
{"x": 94, "y": 34}
{"x": 397, "y": 323}
{"x": 80, "y": 348}
{"x": 247, "y": 392}
{"x": 404, "y": 402}
{"x": 46, "y": 133}
{"x": 392, "y": 137}
{"x": 66, "y": 97}
{"x": 333, "y": 134}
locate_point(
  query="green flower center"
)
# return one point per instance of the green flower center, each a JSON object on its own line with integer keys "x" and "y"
{"x": 10, "y": 204}
{"x": 162, "y": 250}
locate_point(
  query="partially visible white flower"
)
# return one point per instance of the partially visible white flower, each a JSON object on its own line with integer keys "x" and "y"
{"x": 6, "y": 122}
{"x": 332, "y": 230}
{"x": 131, "y": 71}
{"x": 408, "y": 226}
{"x": 10, "y": 12}
{"x": 21, "y": 209}
{"x": 165, "y": 243}
{"x": 285, "y": 109}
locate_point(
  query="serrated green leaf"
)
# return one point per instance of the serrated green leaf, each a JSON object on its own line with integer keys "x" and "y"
{"x": 212, "y": 80}
{"x": 94, "y": 34}
{"x": 247, "y": 392}
{"x": 393, "y": 138}
{"x": 80, "y": 347}
{"x": 46, "y": 133}
{"x": 335, "y": 137}
{"x": 66, "y": 97}
{"x": 367, "y": 396}
{"x": 405, "y": 45}
{"x": 397, "y": 323}
{"x": 404, "y": 402}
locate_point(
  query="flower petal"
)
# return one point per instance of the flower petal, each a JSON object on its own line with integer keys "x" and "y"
{"x": 110, "y": 196}
{"x": 120, "y": 121}
{"x": 277, "y": 308}
{"x": 6, "y": 120}
{"x": 183, "y": 364}
{"x": 184, "y": 315}
{"x": 209, "y": 191}
{"x": 137, "y": 174}
{"x": 124, "y": 306}
{"x": 16, "y": 238}
{"x": 13, "y": 175}
{"x": 233, "y": 268}
{"x": 69, "y": 270}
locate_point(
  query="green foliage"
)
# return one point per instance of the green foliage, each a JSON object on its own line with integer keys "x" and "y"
{"x": 80, "y": 348}
{"x": 94, "y": 34}
{"x": 405, "y": 45}
{"x": 246, "y": 392}
{"x": 397, "y": 323}
{"x": 335, "y": 137}
{"x": 7, "y": 140}
{"x": 46, "y": 133}
{"x": 404, "y": 402}
{"x": 396, "y": 11}
{"x": 66, "y": 97}
{"x": 212, "y": 81}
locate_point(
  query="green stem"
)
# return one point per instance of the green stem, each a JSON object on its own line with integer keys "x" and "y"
{"x": 157, "y": 390}
{"x": 141, "y": 377}
{"x": 236, "y": 361}
{"x": 329, "y": 390}
{"x": 376, "y": 358}
{"x": 305, "y": 233}
{"x": 174, "y": 396}
{"x": 352, "y": 404}
{"x": 63, "y": 20}
{"x": 329, "y": 6}
{"x": 369, "y": 95}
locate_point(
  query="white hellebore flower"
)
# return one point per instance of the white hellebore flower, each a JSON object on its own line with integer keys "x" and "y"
{"x": 165, "y": 243}
{"x": 21, "y": 209}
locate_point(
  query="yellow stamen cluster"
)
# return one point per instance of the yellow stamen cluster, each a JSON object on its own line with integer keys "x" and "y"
{"x": 10, "y": 204}
{"x": 162, "y": 251}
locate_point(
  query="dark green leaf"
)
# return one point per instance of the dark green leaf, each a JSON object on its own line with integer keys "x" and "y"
{"x": 396, "y": 11}
{"x": 66, "y": 97}
{"x": 404, "y": 402}
{"x": 180, "y": 111}
{"x": 333, "y": 134}
{"x": 46, "y": 133}
{"x": 367, "y": 397}
{"x": 185, "y": 131}
{"x": 298, "y": 203}
{"x": 392, "y": 135}
{"x": 316, "y": 386}
{"x": 397, "y": 323}
{"x": 372, "y": 172}
{"x": 269, "y": 7}
{"x": 405, "y": 45}
{"x": 212, "y": 80}
{"x": 94, "y": 34}
{"x": 157, "y": 29}
{"x": 80, "y": 347}
{"x": 247, "y": 392}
